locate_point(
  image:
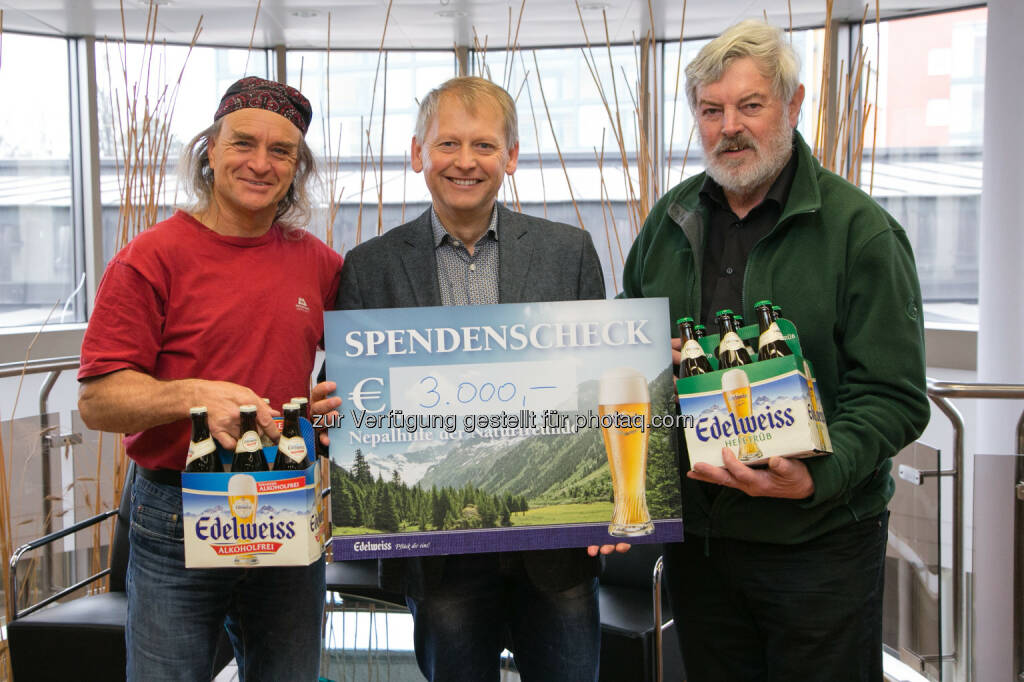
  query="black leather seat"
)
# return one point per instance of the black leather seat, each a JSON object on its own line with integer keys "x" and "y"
{"x": 627, "y": 619}
{"x": 84, "y": 638}
{"x": 357, "y": 580}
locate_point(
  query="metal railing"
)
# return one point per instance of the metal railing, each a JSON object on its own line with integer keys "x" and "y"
{"x": 940, "y": 393}
{"x": 53, "y": 367}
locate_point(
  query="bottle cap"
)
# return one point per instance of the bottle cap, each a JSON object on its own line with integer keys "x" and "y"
{"x": 197, "y": 410}
{"x": 724, "y": 311}
{"x": 246, "y": 408}
{"x": 289, "y": 406}
{"x": 684, "y": 319}
{"x": 765, "y": 302}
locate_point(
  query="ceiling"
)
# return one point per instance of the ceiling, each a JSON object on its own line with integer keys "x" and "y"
{"x": 422, "y": 23}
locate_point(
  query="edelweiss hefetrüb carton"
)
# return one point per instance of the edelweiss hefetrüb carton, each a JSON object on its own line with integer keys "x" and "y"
{"x": 761, "y": 410}
{"x": 266, "y": 518}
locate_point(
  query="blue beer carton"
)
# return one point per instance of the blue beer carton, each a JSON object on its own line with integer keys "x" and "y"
{"x": 261, "y": 518}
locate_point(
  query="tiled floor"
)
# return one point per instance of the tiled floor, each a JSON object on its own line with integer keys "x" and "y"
{"x": 366, "y": 644}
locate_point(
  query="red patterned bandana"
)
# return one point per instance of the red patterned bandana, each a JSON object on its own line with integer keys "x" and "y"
{"x": 259, "y": 93}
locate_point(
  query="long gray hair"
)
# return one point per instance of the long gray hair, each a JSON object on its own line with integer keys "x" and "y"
{"x": 294, "y": 209}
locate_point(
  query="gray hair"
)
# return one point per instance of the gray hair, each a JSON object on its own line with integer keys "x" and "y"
{"x": 294, "y": 209}
{"x": 767, "y": 45}
{"x": 470, "y": 90}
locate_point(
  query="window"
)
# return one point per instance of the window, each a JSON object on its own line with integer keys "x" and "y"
{"x": 208, "y": 73}
{"x": 582, "y": 126}
{"x": 368, "y": 176}
{"x": 39, "y": 262}
{"x": 927, "y": 164}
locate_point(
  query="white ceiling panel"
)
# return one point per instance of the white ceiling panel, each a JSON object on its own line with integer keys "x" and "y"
{"x": 421, "y": 23}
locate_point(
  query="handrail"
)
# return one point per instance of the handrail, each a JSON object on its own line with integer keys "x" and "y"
{"x": 52, "y": 366}
{"x": 12, "y": 603}
{"x": 659, "y": 668}
{"x": 13, "y": 369}
{"x": 940, "y": 393}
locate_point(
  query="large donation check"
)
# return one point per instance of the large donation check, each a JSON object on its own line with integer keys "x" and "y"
{"x": 502, "y": 427}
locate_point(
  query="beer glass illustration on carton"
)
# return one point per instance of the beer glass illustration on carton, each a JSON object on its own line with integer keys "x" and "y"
{"x": 623, "y": 396}
{"x": 242, "y": 496}
{"x": 736, "y": 392}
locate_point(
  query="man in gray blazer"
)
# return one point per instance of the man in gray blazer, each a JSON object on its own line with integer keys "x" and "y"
{"x": 467, "y": 250}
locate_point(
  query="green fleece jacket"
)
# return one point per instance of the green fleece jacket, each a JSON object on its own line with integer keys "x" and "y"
{"x": 843, "y": 271}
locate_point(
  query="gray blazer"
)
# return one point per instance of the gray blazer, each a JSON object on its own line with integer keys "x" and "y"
{"x": 538, "y": 260}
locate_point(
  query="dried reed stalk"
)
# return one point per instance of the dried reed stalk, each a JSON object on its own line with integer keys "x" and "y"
{"x": 142, "y": 142}
{"x": 6, "y": 531}
{"x": 513, "y": 47}
{"x": 878, "y": 77}
{"x": 536, "y": 133}
{"x": 367, "y": 128}
{"x": 380, "y": 175}
{"x": 558, "y": 148}
{"x": 823, "y": 100}
{"x": 675, "y": 94}
{"x": 606, "y": 210}
{"x": 843, "y": 118}
{"x": 332, "y": 163}
{"x": 252, "y": 35}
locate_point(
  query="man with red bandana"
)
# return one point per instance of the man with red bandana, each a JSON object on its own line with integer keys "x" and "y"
{"x": 220, "y": 305}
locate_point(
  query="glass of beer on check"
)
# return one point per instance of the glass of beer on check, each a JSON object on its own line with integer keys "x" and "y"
{"x": 624, "y": 404}
{"x": 736, "y": 392}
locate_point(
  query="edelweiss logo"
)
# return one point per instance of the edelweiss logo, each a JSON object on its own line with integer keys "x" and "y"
{"x": 301, "y": 305}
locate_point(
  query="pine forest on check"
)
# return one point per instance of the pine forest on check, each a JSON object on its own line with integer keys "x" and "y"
{"x": 539, "y": 480}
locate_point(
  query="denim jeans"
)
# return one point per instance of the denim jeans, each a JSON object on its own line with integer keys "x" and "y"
{"x": 485, "y": 603}
{"x": 749, "y": 611}
{"x": 273, "y": 615}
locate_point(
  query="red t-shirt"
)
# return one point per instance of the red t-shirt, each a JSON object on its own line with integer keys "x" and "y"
{"x": 181, "y": 301}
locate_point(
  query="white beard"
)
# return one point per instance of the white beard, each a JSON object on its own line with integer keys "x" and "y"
{"x": 743, "y": 177}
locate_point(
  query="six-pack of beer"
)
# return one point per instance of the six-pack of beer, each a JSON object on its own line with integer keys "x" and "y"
{"x": 750, "y": 389}
{"x": 258, "y": 506}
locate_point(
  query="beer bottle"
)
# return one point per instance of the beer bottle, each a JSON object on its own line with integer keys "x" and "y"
{"x": 731, "y": 351}
{"x": 699, "y": 331}
{"x": 303, "y": 404}
{"x": 770, "y": 343}
{"x": 202, "y": 451}
{"x": 264, "y": 438}
{"x": 694, "y": 361}
{"x": 291, "y": 449}
{"x": 249, "y": 449}
{"x": 746, "y": 343}
{"x": 776, "y": 312}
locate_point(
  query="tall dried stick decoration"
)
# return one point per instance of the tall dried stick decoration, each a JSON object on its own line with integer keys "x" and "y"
{"x": 368, "y": 128}
{"x": 142, "y": 127}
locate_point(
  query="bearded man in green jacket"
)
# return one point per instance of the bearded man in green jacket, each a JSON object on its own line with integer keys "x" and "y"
{"x": 780, "y": 576}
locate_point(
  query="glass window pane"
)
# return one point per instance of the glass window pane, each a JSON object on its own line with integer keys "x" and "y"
{"x": 152, "y": 73}
{"x": 368, "y": 195}
{"x": 578, "y": 192}
{"x": 927, "y": 154}
{"x": 38, "y": 263}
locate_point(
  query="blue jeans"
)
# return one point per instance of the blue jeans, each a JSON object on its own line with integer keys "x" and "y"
{"x": 751, "y": 611}
{"x": 485, "y": 603}
{"x": 273, "y": 615}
